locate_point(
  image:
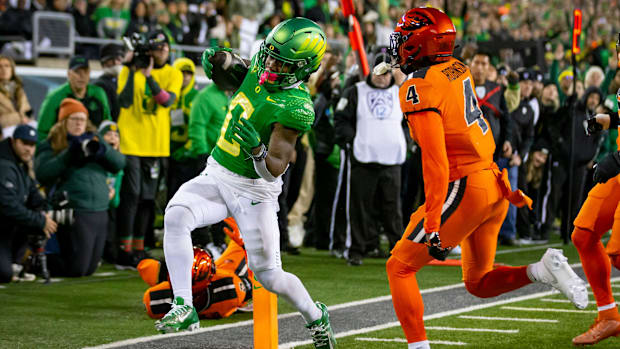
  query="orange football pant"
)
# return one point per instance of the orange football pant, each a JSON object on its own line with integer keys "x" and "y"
{"x": 599, "y": 213}
{"x": 472, "y": 216}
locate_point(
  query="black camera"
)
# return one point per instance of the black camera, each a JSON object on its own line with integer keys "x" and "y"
{"x": 90, "y": 147}
{"x": 141, "y": 48}
{"x": 60, "y": 212}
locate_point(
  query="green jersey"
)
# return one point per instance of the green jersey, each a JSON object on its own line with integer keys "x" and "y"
{"x": 292, "y": 108}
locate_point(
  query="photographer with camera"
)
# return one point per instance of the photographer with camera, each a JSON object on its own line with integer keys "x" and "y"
{"x": 73, "y": 161}
{"x": 21, "y": 205}
{"x": 148, "y": 88}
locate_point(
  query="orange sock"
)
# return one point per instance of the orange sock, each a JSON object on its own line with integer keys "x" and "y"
{"x": 498, "y": 281}
{"x": 596, "y": 264}
{"x": 407, "y": 299}
{"x": 609, "y": 314}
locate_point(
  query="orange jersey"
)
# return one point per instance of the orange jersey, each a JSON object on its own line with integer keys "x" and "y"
{"x": 441, "y": 108}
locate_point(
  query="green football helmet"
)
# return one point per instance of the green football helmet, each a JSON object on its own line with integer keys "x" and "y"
{"x": 299, "y": 44}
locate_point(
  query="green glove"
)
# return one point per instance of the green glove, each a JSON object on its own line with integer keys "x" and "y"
{"x": 208, "y": 53}
{"x": 245, "y": 134}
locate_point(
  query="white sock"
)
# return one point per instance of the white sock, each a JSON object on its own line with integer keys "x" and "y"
{"x": 419, "y": 345}
{"x": 607, "y": 307}
{"x": 178, "y": 224}
{"x": 289, "y": 287}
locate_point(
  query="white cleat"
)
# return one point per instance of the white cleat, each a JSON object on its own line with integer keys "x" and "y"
{"x": 553, "y": 270}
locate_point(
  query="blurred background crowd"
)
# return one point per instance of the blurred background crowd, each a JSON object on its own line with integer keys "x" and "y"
{"x": 100, "y": 181}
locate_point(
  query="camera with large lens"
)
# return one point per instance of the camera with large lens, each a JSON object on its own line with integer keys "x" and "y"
{"x": 90, "y": 147}
{"x": 61, "y": 213}
{"x": 141, "y": 48}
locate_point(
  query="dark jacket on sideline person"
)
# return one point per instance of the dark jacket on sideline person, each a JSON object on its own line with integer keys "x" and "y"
{"x": 83, "y": 180}
{"x": 19, "y": 196}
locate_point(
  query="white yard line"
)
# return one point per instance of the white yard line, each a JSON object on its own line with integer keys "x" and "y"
{"x": 465, "y": 329}
{"x": 552, "y": 300}
{"x": 495, "y": 318}
{"x": 403, "y": 340}
{"x": 550, "y": 310}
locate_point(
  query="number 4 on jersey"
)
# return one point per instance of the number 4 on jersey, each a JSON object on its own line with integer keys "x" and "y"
{"x": 472, "y": 111}
{"x": 412, "y": 95}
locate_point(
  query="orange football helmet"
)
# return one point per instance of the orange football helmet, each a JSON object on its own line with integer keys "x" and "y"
{"x": 423, "y": 36}
{"x": 203, "y": 269}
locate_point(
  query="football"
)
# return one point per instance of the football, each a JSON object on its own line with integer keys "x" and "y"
{"x": 228, "y": 70}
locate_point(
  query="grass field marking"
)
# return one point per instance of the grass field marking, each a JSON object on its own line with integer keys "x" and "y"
{"x": 467, "y": 329}
{"x": 403, "y": 340}
{"x": 426, "y": 317}
{"x": 551, "y": 310}
{"x": 105, "y": 273}
{"x": 552, "y": 300}
{"x": 495, "y": 318}
{"x": 2, "y": 286}
{"x": 533, "y": 248}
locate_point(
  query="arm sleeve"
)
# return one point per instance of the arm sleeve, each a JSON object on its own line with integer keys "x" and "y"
{"x": 49, "y": 167}
{"x": 428, "y": 129}
{"x": 125, "y": 87}
{"x": 345, "y": 117}
{"x": 113, "y": 161}
{"x": 12, "y": 206}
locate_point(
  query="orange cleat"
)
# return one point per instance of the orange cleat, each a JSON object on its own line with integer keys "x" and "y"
{"x": 600, "y": 330}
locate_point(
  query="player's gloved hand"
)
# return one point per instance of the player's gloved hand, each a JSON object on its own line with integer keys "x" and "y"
{"x": 232, "y": 230}
{"x": 607, "y": 168}
{"x": 435, "y": 249}
{"x": 208, "y": 53}
{"x": 245, "y": 134}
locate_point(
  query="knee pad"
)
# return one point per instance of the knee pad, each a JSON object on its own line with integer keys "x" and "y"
{"x": 269, "y": 278}
{"x": 396, "y": 268}
{"x": 179, "y": 220}
{"x": 583, "y": 238}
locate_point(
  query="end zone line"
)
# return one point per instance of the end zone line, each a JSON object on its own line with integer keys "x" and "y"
{"x": 403, "y": 340}
{"x": 496, "y": 318}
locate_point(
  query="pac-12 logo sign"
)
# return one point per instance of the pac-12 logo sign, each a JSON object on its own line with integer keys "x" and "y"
{"x": 380, "y": 103}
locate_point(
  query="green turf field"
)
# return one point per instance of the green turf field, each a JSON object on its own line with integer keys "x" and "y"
{"x": 108, "y": 306}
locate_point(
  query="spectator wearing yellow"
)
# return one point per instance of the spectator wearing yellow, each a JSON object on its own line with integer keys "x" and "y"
{"x": 147, "y": 92}
{"x": 74, "y": 160}
{"x": 77, "y": 87}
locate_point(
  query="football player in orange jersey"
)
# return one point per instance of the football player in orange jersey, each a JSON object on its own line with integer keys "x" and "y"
{"x": 218, "y": 288}
{"x": 599, "y": 213}
{"x": 467, "y": 197}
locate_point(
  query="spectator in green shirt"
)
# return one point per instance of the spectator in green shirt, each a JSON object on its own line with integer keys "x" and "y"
{"x": 77, "y": 87}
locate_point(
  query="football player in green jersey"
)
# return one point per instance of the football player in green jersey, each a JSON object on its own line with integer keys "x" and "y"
{"x": 270, "y": 109}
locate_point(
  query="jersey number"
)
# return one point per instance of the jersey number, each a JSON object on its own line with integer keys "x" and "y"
{"x": 412, "y": 95}
{"x": 240, "y": 107}
{"x": 473, "y": 114}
